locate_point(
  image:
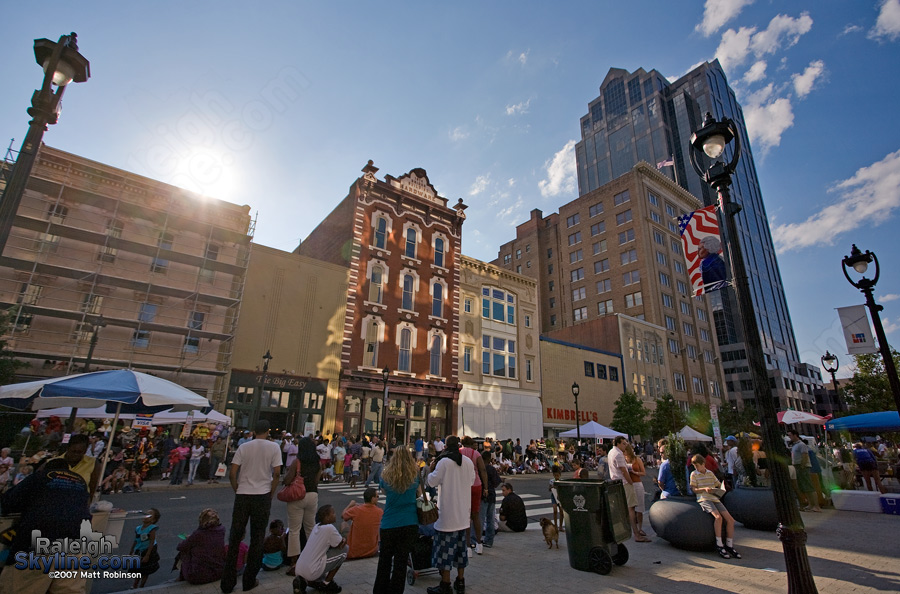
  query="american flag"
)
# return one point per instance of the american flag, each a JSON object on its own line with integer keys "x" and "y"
{"x": 670, "y": 162}
{"x": 693, "y": 227}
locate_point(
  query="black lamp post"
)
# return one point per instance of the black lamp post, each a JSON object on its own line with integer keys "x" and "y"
{"x": 712, "y": 139}
{"x": 575, "y": 391}
{"x": 257, "y": 402}
{"x": 831, "y": 364}
{"x": 859, "y": 262}
{"x": 62, "y": 64}
{"x": 385, "y": 375}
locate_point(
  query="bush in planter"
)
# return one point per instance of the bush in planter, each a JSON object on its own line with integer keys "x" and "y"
{"x": 678, "y": 461}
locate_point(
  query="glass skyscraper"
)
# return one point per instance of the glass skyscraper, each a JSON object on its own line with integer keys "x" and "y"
{"x": 641, "y": 116}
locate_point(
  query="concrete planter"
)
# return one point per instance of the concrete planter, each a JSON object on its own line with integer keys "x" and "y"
{"x": 754, "y": 507}
{"x": 682, "y": 522}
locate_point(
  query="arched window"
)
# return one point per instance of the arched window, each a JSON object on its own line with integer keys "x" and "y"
{"x": 403, "y": 363}
{"x": 439, "y": 252}
{"x": 435, "y": 366}
{"x": 370, "y": 358}
{"x": 376, "y": 285}
{"x": 437, "y": 301}
{"x": 381, "y": 233}
{"x": 408, "y": 283}
{"x": 410, "y": 243}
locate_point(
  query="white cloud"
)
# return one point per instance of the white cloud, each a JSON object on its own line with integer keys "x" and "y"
{"x": 888, "y": 23}
{"x": 888, "y": 297}
{"x": 783, "y": 30}
{"x": 511, "y": 182}
{"x": 518, "y": 108}
{"x": 865, "y": 200}
{"x": 521, "y": 58}
{"x": 561, "y": 176}
{"x": 850, "y": 29}
{"x": 803, "y": 83}
{"x": 766, "y": 122}
{"x": 718, "y": 12}
{"x": 756, "y": 73}
{"x": 481, "y": 183}
{"x": 458, "y": 133}
{"x": 890, "y": 326}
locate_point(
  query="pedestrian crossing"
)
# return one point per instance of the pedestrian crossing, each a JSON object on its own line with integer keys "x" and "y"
{"x": 536, "y": 506}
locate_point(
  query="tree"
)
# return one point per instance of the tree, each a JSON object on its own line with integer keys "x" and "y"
{"x": 868, "y": 390}
{"x": 733, "y": 420}
{"x": 629, "y": 415}
{"x": 699, "y": 418}
{"x": 667, "y": 418}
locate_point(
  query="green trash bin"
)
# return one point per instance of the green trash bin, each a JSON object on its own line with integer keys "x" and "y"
{"x": 596, "y": 519}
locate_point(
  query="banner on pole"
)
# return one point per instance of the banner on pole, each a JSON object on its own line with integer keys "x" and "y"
{"x": 703, "y": 250}
{"x": 857, "y": 331}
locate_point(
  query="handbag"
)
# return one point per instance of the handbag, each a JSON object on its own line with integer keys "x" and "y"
{"x": 426, "y": 509}
{"x": 220, "y": 469}
{"x": 296, "y": 490}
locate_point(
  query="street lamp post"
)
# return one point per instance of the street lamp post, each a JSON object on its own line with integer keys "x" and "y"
{"x": 831, "y": 364}
{"x": 257, "y": 402}
{"x": 575, "y": 390}
{"x": 859, "y": 262}
{"x": 62, "y": 64}
{"x": 385, "y": 375}
{"x": 712, "y": 139}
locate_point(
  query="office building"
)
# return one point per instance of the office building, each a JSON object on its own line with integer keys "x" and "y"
{"x": 641, "y": 116}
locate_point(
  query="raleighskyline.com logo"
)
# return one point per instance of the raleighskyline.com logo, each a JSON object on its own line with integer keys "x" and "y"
{"x": 90, "y": 556}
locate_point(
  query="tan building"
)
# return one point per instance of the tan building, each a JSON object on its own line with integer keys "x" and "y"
{"x": 641, "y": 344}
{"x": 617, "y": 249}
{"x": 499, "y": 346}
{"x": 290, "y": 312}
{"x": 600, "y": 382}
{"x": 152, "y": 272}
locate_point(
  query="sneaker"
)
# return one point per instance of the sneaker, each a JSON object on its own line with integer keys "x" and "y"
{"x": 479, "y": 548}
{"x": 489, "y": 545}
{"x": 733, "y": 553}
{"x": 460, "y": 586}
{"x": 441, "y": 588}
{"x": 299, "y": 585}
{"x": 723, "y": 552}
{"x": 331, "y": 586}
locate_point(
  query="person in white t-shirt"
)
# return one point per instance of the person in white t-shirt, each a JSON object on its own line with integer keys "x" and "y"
{"x": 323, "y": 555}
{"x": 453, "y": 474}
{"x": 254, "y": 475}
{"x": 618, "y": 470}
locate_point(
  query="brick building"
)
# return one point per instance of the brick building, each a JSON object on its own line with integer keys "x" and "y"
{"x": 401, "y": 244}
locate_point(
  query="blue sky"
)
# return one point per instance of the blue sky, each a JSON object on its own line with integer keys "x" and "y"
{"x": 279, "y": 105}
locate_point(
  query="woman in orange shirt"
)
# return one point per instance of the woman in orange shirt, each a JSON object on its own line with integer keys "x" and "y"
{"x": 637, "y": 473}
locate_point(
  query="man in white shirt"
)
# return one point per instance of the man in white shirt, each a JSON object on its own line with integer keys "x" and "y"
{"x": 377, "y": 454}
{"x": 453, "y": 474}
{"x": 731, "y": 459}
{"x": 618, "y": 470}
{"x": 254, "y": 475}
{"x": 323, "y": 555}
{"x": 438, "y": 446}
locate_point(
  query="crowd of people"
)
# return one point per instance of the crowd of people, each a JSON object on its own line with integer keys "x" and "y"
{"x": 52, "y": 492}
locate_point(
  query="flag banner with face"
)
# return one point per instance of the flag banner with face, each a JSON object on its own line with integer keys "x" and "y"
{"x": 857, "y": 331}
{"x": 702, "y": 250}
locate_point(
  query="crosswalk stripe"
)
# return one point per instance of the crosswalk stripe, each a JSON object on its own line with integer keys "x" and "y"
{"x": 536, "y": 502}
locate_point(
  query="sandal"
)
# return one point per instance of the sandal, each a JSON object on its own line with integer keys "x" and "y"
{"x": 723, "y": 552}
{"x": 642, "y": 533}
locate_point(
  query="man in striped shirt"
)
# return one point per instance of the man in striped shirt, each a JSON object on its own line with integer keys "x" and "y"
{"x": 705, "y": 484}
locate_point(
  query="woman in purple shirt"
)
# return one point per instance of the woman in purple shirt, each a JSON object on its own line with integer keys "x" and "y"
{"x": 202, "y": 554}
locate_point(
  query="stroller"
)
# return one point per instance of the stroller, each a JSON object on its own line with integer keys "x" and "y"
{"x": 420, "y": 556}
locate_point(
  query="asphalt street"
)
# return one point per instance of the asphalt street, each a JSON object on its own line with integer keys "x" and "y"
{"x": 181, "y": 505}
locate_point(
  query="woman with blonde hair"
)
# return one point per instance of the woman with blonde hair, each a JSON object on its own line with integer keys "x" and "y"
{"x": 399, "y": 524}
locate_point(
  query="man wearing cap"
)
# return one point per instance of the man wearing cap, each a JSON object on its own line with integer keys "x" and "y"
{"x": 254, "y": 475}
{"x": 731, "y": 460}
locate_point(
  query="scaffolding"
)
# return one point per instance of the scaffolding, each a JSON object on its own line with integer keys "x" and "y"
{"x": 154, "y": 272}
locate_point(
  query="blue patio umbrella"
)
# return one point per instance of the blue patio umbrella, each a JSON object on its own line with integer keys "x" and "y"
{"x": 123, "y": 391}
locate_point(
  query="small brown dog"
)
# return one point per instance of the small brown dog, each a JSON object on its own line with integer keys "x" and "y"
{"x": 550, "y": 533}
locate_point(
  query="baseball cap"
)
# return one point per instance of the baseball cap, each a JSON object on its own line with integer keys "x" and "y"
{"x": 731, "y": 438}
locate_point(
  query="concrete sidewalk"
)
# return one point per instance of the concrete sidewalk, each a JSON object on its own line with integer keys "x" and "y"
{"x": 848, "y": 551}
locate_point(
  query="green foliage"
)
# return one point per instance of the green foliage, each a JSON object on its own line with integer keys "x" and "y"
{"x": 629, "y": 415}
{"x": 677, "y": 454}
{"x": 698, "y": 418}
{"x": 667, "y": 418}
{"x": 733, "y": 420}
{"x": 868, "y": 390}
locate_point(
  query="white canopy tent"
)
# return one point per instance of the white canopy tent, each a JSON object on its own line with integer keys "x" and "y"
{"x": 689, "y": 434}
{"x": 160, "y": 418}
{"x": 593, "y": 430}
